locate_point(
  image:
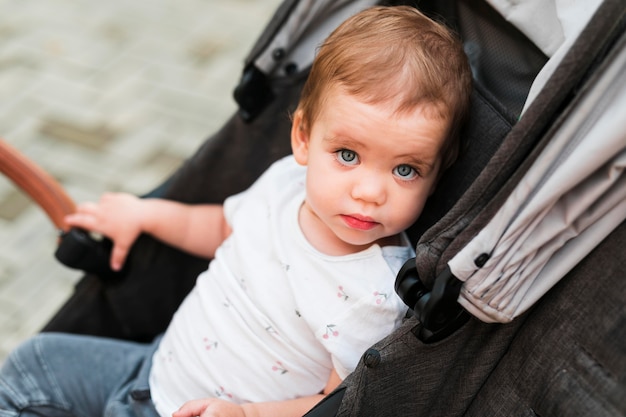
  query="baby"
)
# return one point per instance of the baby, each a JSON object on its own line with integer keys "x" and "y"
{"x": 304, "y": 261}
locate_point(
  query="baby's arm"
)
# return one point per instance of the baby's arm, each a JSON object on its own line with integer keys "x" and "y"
{"x": 211, "y": 407}
{"x": 197, "y": 229}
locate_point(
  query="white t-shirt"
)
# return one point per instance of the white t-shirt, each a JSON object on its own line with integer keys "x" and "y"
{"x": 272, "y": 315}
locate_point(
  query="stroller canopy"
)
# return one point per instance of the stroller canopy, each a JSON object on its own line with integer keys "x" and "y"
{"x": 568, "y": 201}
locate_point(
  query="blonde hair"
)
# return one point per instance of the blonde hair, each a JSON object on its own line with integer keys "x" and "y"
{"x": 394, "y": 55}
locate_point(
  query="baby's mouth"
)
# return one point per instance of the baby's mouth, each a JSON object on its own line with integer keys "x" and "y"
{"x": 359, "y": 222}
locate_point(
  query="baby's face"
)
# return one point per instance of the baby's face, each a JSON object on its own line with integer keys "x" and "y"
{"x": 369, "y": 171}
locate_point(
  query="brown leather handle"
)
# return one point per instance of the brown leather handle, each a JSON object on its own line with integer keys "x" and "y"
{"x": 38, "y": 184}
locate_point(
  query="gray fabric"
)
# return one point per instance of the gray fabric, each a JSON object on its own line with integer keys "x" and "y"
{"x": 278, "y": 19}
{"x": 294, "y": 45}
{"x": 502, "y": 58}
{"x": 413, "y": 379}
{"x": 568, "y": 358}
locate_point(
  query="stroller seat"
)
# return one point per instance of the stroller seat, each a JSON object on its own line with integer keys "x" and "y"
{"x": 562, "y": 357}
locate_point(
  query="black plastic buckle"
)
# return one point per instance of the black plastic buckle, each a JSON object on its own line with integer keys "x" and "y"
{"x": 79, "y": 250}
{"x": 438, "y": 311}
{"x": 253, "y": 93}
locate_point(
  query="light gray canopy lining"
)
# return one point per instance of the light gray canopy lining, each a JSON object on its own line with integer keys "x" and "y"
{"x": 569, "y": 200}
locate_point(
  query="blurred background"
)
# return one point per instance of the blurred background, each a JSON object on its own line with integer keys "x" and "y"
{"x": 104, "y": 95}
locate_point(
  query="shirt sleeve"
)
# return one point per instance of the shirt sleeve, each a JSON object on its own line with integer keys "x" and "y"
{"x": 260, "y": 186}
{"x": 231, "y": 204}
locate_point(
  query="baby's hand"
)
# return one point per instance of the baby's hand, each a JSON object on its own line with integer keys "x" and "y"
{"x": 209, "y": 407}
{"x": 117, "y": 216}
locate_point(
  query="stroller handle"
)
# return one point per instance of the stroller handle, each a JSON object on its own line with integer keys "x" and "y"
{"x": 37, "y": 183}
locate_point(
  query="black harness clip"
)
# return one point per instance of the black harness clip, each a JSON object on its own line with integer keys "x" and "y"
{"x": 437, "y": 310}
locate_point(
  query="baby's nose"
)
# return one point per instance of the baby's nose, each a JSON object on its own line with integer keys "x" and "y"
{"x": 369, "y": 188}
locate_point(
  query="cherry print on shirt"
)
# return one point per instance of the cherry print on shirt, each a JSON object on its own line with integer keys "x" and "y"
{"x": 341, "y": 293}
{"x": 221, "y": 392}
{"x": 380, "y": 297}
{"x": 330, "y": 331}
{"x": 279, "y": 368}
{"x": 209, "y": 344}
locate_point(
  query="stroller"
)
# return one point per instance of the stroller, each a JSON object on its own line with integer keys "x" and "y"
{"x": 515, "y": 296}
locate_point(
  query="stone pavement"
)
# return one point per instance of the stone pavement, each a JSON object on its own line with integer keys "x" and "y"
{"x": 104, "y": 95}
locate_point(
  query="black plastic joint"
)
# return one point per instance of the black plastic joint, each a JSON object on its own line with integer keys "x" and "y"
{"x": 253, "y": 93}
{"x": 437, "y": 310}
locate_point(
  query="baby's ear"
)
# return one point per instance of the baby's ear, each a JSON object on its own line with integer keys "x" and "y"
{"x": 299, "y": 138}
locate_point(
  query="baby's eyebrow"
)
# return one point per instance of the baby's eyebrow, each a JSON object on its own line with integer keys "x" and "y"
{"x": 341, "y": 141}
{"x": 344, "y": 140}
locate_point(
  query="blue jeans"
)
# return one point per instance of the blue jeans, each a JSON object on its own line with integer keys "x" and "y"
{"x": 61, "y": 375}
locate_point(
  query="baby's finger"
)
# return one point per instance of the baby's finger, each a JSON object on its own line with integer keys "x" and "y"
{"x": 191, "y": 408}
{"x": 118, "y": 257}
{"x": 84, "y": 221}
{"x": 87, "y": 207}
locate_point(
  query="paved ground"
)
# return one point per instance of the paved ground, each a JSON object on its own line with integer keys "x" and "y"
{"x": 105, "y": 95}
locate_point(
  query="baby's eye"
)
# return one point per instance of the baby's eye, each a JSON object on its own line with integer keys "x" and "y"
{"x": 405, "y": 172}
{"x": 347, "y": 157}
